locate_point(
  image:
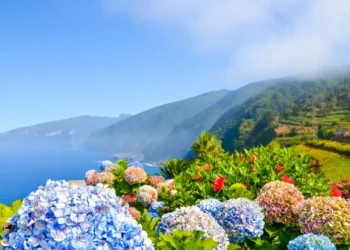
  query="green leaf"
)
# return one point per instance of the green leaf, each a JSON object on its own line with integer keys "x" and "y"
{"x": 232, "y": 246}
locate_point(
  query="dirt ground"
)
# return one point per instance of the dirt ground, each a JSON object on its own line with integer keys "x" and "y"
{"x": 285, "y": 129}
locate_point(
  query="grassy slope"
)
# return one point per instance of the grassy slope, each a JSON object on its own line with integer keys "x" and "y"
{"x": 333, "y": 165}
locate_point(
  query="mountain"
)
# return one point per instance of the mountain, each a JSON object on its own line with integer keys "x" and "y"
{"x": 61, "y": 134}
{"x": 145, "y": 132}
{"x": 180, "y": 139}
{"x": 287, "y": 105}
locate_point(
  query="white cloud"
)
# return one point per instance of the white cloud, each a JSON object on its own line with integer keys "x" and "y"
{"x": 265, "y": 38}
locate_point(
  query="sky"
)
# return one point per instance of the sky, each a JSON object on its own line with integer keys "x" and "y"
{"x": 65, "y": 58}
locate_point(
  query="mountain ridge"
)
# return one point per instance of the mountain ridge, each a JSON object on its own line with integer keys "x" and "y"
{"x": 63, "y": 133}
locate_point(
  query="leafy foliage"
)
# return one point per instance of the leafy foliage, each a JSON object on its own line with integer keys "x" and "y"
{"x": 184, "y": 240}
{"x": 245, "y": 174}
{"x": 7, "y": 211}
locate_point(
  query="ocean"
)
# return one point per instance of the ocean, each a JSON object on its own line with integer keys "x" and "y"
{"x": 23, "y": 172}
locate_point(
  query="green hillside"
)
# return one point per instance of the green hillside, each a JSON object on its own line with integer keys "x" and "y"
{"x": 286, "y": 107}
{"x": 147, "y": 129}
{"x": 177, "y": 143}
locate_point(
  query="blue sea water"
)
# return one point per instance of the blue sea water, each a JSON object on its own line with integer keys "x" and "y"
{"x": 23, "y": 172}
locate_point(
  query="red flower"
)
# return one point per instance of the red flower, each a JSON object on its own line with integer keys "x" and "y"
{"x": 197, "y": 168}
{"x": 286, "y": 179}
{"x": 315, "y": 163}
{"x": 252, "y": 159}
{"x": 197, "y": 177}
{"x": 313, "y": 168}
{"x": 335, "y": 192}
{"x": 245, "y": 186}
{"x": 253, "y": 169}
{"x": 207, "y": 168}
{"x": 219, "y": 184}
{"x": 279, "y": 167}
{"x": 233, "y": 165}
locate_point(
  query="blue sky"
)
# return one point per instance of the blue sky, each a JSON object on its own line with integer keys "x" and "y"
{"x": 63, "y": 58}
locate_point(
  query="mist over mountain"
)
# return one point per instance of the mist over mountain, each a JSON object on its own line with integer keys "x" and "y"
{"x": 61, "y": 134}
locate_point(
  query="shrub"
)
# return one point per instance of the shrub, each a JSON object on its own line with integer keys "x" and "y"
{"x": 241, "y": 219}
{"x": 155, "y": 180}
{"x": 213, "y": 207}
{"x": 344, "y": 187}
{"x": 280, "y": 202}
{"x": 58, "y": 216}
{"x": 311, "y": 242}
{"x": 193, "y": 219}
{"x": 135, "y": 175}
{"x": 329, "y": 216}
{"x": 147, "y": 195}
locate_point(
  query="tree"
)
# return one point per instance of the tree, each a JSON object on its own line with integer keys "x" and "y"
{"x": 207, "y": 144}
{"x": 293, "y": 132}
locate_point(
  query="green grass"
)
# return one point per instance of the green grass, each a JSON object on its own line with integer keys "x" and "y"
{"x": 334, "y": 166}
{"x": 336, "y": 147}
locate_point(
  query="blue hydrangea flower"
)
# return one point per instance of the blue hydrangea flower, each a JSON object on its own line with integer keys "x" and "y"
{"x": 193, "y": 219}
{"x": 213, "y": 207}
{"x": 311, "y": 242}
{"x": 58, "y": 216}
{"x": 136, "y": 164}
{"x": 153, "y": 209}
{"x": 156, "y": 205}
{"x": 241, "y": 219}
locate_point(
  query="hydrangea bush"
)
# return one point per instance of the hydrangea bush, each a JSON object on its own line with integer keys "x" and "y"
{"x": 135, "y": 175}
{"x": 92, "y": 178}
{"x": 153, "y": 209}
{"x": 329, "y": 216}
{"x": 111, "y": 167}
{"x": 241, "y": 219}
{"x": 192, "y": 219}
{"x": 311, "y": 242}
{"x": 58, "y": 216}
{"x": 279, "y": 202}
{"x": 211, "y": 206}
{"x": 129, "y": 198}
{"x": 155, "y": 180}
{"x": 147, "y": 195}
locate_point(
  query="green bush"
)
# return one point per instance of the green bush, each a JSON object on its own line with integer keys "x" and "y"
{"x": 253, "y": 168}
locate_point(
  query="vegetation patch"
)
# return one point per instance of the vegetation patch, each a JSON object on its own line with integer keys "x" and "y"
{"x": 333, "y": 165}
